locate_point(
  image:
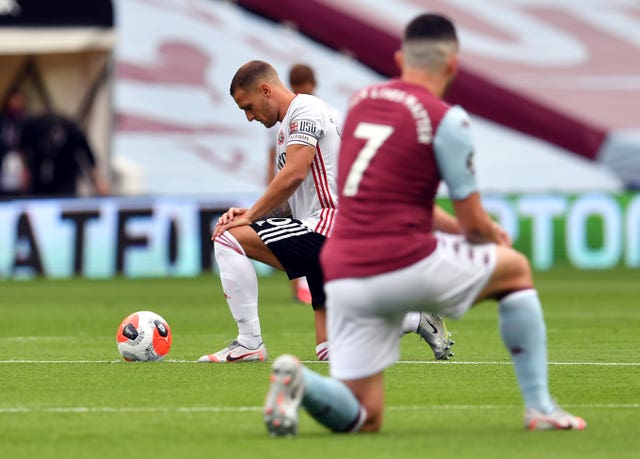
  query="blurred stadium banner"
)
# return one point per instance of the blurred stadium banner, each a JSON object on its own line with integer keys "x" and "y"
{"x": 104, "y": 237}
{"x": 179, "y": 131}
{"x": 163, "y": 236}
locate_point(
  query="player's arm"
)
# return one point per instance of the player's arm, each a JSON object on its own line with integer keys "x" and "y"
{"x": 444, "y": 221}
{"x": 454, "y": 154}
{"x": 476, "y": 225}
{"x": 285, "y": 182}
{"x": 447, "y": 223}
{"x": 305, "y": 132}
{"x": 100, "y": 185}
{"x": 283, "y": 185}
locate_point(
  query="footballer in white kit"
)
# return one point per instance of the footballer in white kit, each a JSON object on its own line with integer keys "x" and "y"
{"x": 307, "y": 145}
{"x": 296, "y": 241}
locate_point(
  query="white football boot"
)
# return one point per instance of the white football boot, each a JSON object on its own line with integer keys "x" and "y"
{"x": 284, "y": 396}
{"x": 558, "y": 419}
{"x": 236, "y": 352}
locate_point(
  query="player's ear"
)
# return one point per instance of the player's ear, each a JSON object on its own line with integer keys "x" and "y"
{"x": 451, "y": 68}
{"x": 399, "y": 59}
{"x": 265, "y": 90}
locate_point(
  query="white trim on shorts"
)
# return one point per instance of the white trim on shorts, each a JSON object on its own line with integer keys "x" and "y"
{"x": 279, "y": 228}
{"x": 364, "y": 315}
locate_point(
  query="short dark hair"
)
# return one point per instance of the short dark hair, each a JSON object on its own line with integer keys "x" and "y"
{"x": 432, "y": 26}
{"x": 301, "y": 74}
{"x": 249, "y": 74}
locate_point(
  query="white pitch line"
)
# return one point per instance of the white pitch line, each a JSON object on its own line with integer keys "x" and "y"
{"x": 494, "y": 407}
{"x": 36, "y": 338}
{"x": 244, "y": 409}
{"x": 126, "y": 409}
{"x": 403, "y": 362}
{"x": 453, "y": 362}
{"x": 59, "y": 361}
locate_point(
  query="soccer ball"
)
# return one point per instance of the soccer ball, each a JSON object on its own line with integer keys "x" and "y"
{"x": 143, "y": 336}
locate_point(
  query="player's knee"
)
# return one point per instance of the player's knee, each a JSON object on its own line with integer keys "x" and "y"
{"x": 520, "y": 270}
{"x": 373, "y": 422}
{"x": 226, "y": 244}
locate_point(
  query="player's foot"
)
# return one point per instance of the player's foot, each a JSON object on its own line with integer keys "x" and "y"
{"x": 284, "y": 396}
{"x": 433, "y": 330}
{"x": 236, "y": 352}
{"x": 558, "y": 419}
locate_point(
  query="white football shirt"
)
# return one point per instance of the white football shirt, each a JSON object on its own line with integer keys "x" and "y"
{"x": 309, "y": 121}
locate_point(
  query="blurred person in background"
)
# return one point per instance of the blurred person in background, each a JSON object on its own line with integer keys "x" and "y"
{"x": 14, "y": 111}
{"x": 56, "y": 155}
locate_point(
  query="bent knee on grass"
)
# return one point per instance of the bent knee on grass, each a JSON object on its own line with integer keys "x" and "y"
{"x": 370, "y": 394}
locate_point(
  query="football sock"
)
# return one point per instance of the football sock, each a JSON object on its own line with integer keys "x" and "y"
{"x": 410, "y": 322}
{"x": 240, "y": 285}
{"x": 322, "y": 351}
{"x": 524, "y": 334}
{"x": 331, "y": 403}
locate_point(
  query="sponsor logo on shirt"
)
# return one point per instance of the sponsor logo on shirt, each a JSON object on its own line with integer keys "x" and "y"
{"x": 304, "y": 138}
{"x": 304, "y": 127}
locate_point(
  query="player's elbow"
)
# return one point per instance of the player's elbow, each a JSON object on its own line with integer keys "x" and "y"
{"x": 295, "y": 179}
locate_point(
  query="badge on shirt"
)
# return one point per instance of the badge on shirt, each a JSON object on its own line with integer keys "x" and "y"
{"x": 470, "y": 165}
{"x": 305, "y": 131}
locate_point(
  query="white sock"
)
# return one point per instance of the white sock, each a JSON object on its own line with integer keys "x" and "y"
{"x": 240, "y": 285}
{"x": 410, "y": 322}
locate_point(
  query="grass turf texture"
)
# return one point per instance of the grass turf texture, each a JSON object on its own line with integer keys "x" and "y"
{"x": 66, "y": 393}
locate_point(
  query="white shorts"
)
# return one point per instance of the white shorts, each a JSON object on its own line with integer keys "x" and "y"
{"x": 364, "y": 315}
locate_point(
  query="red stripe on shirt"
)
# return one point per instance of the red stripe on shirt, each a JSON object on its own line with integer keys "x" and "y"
{"x": 327, "y": 217}
{"x": 325, "y": 180}
{"x": 321, "y": 181}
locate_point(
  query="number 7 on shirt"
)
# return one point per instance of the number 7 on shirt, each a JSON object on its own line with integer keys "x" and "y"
{"x": 376, "y": 135}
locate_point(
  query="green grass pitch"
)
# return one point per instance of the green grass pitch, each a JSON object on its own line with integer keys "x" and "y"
{"x": 65, "y": 393}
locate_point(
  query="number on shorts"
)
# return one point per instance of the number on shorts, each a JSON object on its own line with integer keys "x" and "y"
{"x": 376, "y": 135}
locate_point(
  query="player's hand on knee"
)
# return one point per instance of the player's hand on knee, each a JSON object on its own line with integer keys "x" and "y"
{"x": 230, "y": 219}
{"x": 503, "y": 236}
{"x": 230, "y": 215}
